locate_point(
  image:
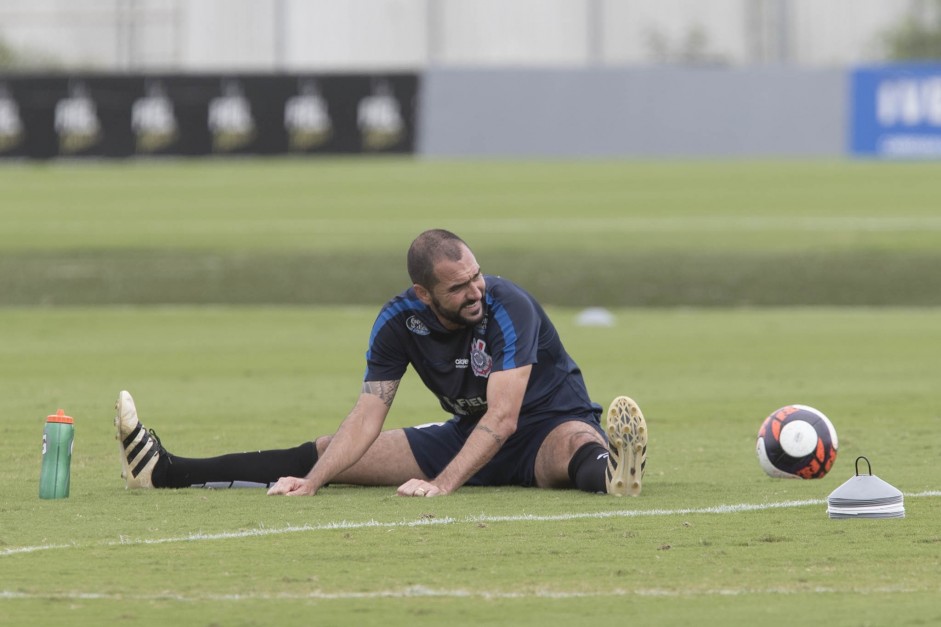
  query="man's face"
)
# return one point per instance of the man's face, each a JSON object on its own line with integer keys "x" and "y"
{"x": 457, "y": 299}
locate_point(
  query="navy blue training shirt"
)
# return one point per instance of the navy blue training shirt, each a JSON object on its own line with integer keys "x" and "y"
{"x": 455, "y": 365}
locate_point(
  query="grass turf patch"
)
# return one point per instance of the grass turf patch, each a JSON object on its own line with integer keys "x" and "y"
{"x": 575, "y": 233}
{"x": 599, "y": 278}
{"x": 214, "y": 380}
{"x": 711, "y": 541}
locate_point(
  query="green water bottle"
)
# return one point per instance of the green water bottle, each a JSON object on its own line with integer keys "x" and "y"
{"x": 57, "y": 440}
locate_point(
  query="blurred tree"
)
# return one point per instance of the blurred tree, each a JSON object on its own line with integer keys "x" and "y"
{"x": 693, "y": 48}
{"x": 918, "y": 36}
{"x": 7, "y": 56}
{"x": 20, "y": 58}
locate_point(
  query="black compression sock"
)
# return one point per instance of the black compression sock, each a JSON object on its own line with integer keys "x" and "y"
{"x": 255, "y": 467}
{"x": 587, "y": 468}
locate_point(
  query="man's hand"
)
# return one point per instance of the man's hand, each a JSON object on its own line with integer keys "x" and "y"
{"x": 292, "y": 486}
{"x": 419, "y": 487}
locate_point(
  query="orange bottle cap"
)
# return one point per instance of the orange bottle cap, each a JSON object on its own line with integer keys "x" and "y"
{"x": 60, "y": 416}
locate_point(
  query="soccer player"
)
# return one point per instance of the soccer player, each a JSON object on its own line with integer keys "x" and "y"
{"x": 520, "y": 411}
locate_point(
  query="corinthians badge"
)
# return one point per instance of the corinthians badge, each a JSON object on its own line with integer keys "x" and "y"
{"x": 481, "y": 362}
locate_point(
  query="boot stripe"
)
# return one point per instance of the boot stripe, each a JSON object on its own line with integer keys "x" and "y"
{"x": 143, "y": 462}
{"x": 140, "y": 447}
{"x": 133, "y": 435}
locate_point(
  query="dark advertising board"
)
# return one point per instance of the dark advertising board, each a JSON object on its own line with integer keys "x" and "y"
{"x": 44, "y": 117}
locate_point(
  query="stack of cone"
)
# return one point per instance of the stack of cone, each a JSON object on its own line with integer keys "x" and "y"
{"x": 865, "y": 496}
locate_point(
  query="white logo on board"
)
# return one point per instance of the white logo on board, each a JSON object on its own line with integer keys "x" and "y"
{"x": 230, "y": 119}
{"x": 153, "y": 120}
{"x": 11, "y": 125}
{"x": 76, "y": 120}
{"x": 380, "y": 119}
{"x": 307, "y": 118}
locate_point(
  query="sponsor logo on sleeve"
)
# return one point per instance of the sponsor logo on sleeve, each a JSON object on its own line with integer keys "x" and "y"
{"x": 416, "y": 326}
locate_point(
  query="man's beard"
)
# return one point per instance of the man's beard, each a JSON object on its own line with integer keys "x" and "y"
{"x": 455, "y": 316}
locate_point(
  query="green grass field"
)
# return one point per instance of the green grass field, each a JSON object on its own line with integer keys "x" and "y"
{"x": 218, "y": 362}
{"x": 317, "y": 232}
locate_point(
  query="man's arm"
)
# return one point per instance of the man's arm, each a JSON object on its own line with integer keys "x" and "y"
{"x": 505, "y": 391}
{"x": 353, "y": 438}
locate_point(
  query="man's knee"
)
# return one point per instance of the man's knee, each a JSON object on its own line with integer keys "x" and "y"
{"x": 557, "y": 450}
{"x": 570, "y": 436}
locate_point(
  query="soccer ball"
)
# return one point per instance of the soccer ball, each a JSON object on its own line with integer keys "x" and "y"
{"x": 796, "y": 442}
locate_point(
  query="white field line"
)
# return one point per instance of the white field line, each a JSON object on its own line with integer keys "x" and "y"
{"x": 425, "y": 592}
{"x": 874, "y": 224}
{"x": 714, "y": 223}
{"x": 346, "y": 525}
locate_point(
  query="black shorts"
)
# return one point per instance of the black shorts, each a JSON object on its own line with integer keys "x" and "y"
{"x": 435, "y": 445}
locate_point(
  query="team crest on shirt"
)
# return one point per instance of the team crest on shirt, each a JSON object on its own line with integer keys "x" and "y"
{"x": 481, "y": 362}
{"x": 416, "y": 326}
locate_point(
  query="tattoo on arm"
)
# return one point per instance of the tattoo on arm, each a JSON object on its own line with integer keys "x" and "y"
{"x": 496, "y": 436}
{"x": 385, "y": 390}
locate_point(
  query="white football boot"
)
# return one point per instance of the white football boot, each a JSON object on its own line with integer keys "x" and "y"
{"x": 627, "y": 447}
{"x": 140, "y": 449}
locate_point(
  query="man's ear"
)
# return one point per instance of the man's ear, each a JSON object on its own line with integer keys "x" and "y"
{"x": 422, "y": 294}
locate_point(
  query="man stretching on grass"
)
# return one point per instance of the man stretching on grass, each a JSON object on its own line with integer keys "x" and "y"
{"x": 485, "y": 348}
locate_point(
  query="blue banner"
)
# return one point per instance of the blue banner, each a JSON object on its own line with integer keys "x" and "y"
{"x": 896, "y": 111}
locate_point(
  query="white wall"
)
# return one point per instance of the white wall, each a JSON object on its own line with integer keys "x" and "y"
{"x": 519, "y": 32}
{"x": 381, "y": 34}
{"x": 632, "y": 28}
{"x": 318, "y": 35}
{"x": 849, "y": 31}
{"x": 232, "y": 34}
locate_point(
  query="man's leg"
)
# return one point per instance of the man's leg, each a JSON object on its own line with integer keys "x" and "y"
{"x": 575, "y": 455}
{"x": 557, "y": 451}
{"x": 146, "y": 464}
{"x": 388, "y": 462}
{"x": 252, "y": 468}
